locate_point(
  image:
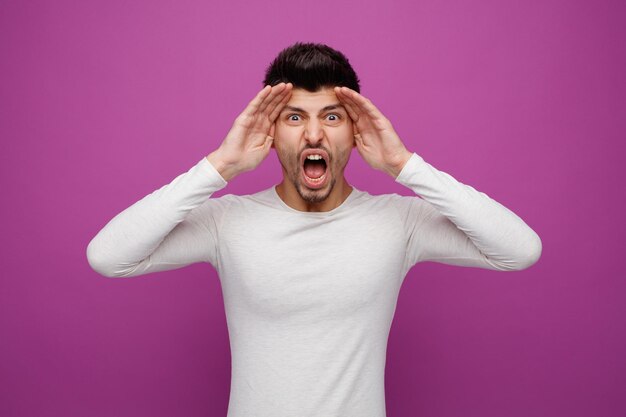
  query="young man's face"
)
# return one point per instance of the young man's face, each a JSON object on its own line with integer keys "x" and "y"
{"x": 313, "y": 139}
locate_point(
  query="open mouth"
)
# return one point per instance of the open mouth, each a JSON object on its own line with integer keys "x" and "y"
{"x": 314, "y": 167}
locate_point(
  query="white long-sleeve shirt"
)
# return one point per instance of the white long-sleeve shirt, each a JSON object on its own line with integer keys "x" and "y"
{"x": 310, "y": 296}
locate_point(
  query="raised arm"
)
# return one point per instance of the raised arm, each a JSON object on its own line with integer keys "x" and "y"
{"x": 176, "y": 225}
{"x": 455, "y": 224}
{"x": 452, "y": 223}
{"x": 166, "y": 229}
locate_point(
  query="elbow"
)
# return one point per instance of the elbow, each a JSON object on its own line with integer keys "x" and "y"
{"x": 523, "y": 257}
{"x": 98, "y": 261}
{"x": 532, "y": 253}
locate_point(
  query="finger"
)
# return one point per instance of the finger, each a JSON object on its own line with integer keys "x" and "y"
{"x": 253, "y": 106}
{"x": 276, "y": 90}
{"x": 346, "y": 103}
{"x": 353, "y": 104}
{"x": 278, "y": 100}
{"x": 363, "y": 103}
{"x": 279, "y": 106}
{"x": 354, "y": 115}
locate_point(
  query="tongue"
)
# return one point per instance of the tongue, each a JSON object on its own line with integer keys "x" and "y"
{"x": 314, "y": 169}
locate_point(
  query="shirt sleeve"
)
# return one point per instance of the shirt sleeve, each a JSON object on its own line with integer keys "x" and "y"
{"x": 172, "y": 227}
{"x": 452, "y": 223}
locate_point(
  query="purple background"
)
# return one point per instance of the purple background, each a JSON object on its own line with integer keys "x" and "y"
{"x": 103, "y": 102}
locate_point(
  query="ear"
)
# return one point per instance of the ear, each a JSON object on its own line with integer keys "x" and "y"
{"x": 272, "y": 132}
{"x": 355, "y": 132}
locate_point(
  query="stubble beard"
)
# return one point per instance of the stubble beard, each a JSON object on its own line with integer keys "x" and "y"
{"x": 309, "y": 195}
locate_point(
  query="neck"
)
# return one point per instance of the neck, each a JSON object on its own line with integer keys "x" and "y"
{"x": 290, "y": 196}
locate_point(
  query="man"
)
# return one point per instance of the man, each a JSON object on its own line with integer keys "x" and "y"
{"x": 311, "y": 269}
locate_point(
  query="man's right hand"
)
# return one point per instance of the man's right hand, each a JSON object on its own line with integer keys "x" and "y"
{"x": 250, "y": 139}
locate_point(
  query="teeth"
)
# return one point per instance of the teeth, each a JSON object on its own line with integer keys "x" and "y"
{"x": 314, "y": 157}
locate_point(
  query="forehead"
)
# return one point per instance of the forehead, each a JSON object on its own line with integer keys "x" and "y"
{"x": 312, "y": 102}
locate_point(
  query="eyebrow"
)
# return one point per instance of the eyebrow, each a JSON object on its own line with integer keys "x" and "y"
{"x": 329, "y": 107}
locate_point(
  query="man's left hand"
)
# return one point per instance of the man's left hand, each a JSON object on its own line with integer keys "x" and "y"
{"x": 376, "y": 140}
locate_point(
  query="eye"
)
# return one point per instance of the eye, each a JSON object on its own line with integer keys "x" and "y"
{"x": 293, "y": 115}
{"x": 337, "y": 117}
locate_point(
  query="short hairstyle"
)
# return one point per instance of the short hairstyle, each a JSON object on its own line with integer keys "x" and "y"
{"x": 311, "y": 66}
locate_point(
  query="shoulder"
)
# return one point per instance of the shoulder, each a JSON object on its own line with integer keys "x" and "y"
{"x": 406, "y": 207}
{"x": 389, "y": 200}
{"x": 228, "y": 202}
{"x": 391, "y": 204}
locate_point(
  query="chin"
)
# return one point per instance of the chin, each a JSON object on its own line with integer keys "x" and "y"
{"x": 314, "y": 196}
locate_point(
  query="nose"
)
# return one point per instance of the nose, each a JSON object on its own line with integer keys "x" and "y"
{"x": 313, "y": 133}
